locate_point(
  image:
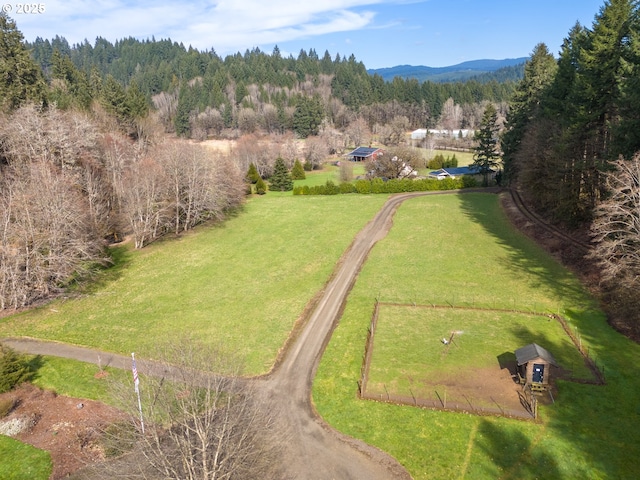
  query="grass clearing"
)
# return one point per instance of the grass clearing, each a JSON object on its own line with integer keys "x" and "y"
{"x": 461, "y": 250}
{"x": 76, "y": 379}
{"x": 243, "y": 283}
{"x": 409, "y": 357}
{"x": 329, "y": 172}
{"x": 19, "y": 461}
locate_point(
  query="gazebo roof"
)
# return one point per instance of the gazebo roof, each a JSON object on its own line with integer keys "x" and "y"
{"x": 533, "y": 351}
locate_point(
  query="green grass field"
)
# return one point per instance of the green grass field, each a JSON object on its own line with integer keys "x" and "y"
{"x": 19, "y": 461}
{"x": 464, "y": 158}
{"x": 242, "y": 284}
{"x": 460, "y": 250}
{"x": 246, "y": 282}
{"x": 329, "y": 172}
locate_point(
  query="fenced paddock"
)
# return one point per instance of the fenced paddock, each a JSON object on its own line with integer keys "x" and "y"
{"x": 461, "y": 358}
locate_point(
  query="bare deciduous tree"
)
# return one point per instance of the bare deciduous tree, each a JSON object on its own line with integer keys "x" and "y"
{"x": 315, "y": 151}
{"x": 145, "y": 200}
{"x": 167, "y": 105}
{"x": 63, "y": 138}
{"x": 451, "y": 116}
{"x": 198, "y": 425}
{"x": 47, "y": 235}
{"x": 398, "y": 162}
{"x": 616, "y": 228}
{"x": 202, "y": 185}
{"x": 358, "y": 132}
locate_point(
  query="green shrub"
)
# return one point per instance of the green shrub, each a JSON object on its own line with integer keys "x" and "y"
{"x": 377, "y": 185}
{"x": 6, "y": 406}
{"x": 436, "y": 162}
{"x": 252, "y": 174}
{"x": 363, "y": 186}
{"x": 331, "y": 188}
{"x": 14, "y": 368}
{"x": 297, "y": 172}
{"x": 261, "y": 187}
{"x": 450, "y": 162}
{"x": 469, "y": 182}
{"x": 281, "y": 179}
{"x": 347, "y": 187}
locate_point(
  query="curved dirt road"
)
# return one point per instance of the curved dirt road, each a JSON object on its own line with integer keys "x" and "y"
{"x": 314, "y": 450}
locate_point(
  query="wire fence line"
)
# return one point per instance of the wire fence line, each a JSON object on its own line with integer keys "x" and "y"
{"x": 439, "y": 399}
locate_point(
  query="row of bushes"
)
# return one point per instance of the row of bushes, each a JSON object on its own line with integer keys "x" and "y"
{"x": 377, "y": 185}
{"x": 438, "y": 162}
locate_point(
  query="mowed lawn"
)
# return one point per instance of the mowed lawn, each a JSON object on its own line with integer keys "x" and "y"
{"x": 19, "y": 461}
{"x": 461, "y": 250}
{"x": 243, "y": 283}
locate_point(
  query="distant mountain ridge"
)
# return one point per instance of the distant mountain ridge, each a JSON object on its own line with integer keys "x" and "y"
{"x": 459, "y": 72}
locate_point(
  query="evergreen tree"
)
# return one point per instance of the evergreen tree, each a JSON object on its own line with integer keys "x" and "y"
{"x": 281, "y": 179}
{"x": 539, "y": 72}
{"x": 307, "y": 116}
{"x": 297, "y": 172}
{"x": 21, "y": 79}
{"x": 261, "y": 187}
{"x": 136, "y": 102}
{"x": 114, "y": 98}
{"x": 252, "y": 173}
{"x": 14, "y": 369}
{"x": 486, "y": 156}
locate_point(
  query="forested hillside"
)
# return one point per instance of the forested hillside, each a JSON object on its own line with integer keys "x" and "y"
{"x": 509, "y": 70}
{"x": 94, "y": 139}
{"x": 199, "y": 93}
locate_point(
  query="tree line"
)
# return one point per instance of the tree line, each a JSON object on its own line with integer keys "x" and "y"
{"x": 74, "y": 179}
{"x": 199, "y": 93}
{"x": 572, "y": 137}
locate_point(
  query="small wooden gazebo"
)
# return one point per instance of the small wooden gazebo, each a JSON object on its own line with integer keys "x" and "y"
{"x": 534, "y": 365}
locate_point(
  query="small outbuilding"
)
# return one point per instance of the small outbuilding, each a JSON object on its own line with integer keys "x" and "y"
{"x": 362, "y": 154}
{"x": 534, "y": 365}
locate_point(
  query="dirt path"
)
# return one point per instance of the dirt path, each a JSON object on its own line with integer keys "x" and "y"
{"x": 315, "y": 450}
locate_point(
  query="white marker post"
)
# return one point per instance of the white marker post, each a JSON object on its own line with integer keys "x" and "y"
{"x": 136, "y": 383}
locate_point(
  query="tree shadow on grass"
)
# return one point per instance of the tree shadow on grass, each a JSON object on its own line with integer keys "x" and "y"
{"x": 119, "y": 258}
{"x": 594, "y": 427}
{"x": 514, "y": 454}
{"x": 540, "y": 269}
{"x": 34, "y": 364}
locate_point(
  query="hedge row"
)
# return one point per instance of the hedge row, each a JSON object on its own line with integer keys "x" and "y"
{"x": 377, "y": 185}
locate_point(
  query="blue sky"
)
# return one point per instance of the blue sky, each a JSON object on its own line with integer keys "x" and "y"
{"x": 380, "y": 33}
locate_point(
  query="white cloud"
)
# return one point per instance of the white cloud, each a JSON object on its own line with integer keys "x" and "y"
{"x": 226, "y": 25}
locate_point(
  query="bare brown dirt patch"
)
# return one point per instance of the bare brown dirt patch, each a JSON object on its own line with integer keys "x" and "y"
{"x": 68, "y": 428}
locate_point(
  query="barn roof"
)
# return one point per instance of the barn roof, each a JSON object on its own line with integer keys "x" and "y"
{"x": 363, "y": 152}
{"x": 533, "y": 351}
{"x": 455, "y": 172}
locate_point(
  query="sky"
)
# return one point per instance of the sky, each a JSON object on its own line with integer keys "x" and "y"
{"x": 380, "y": 33}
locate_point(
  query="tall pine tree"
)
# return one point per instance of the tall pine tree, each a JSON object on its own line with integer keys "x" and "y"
{"x": 281, "y": 179}
{"x": 539, "y": 72}
{"x": 486, "y": 157}
{"x": 21, "y": 79}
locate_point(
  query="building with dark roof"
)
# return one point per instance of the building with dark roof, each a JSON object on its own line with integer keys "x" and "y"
{"x": 362, "y": 154}
{"x": 534, "y": 365}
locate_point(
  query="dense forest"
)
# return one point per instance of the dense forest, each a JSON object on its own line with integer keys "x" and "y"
{"x": 199, "y": 93}
{"x": 571, "y": 141}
